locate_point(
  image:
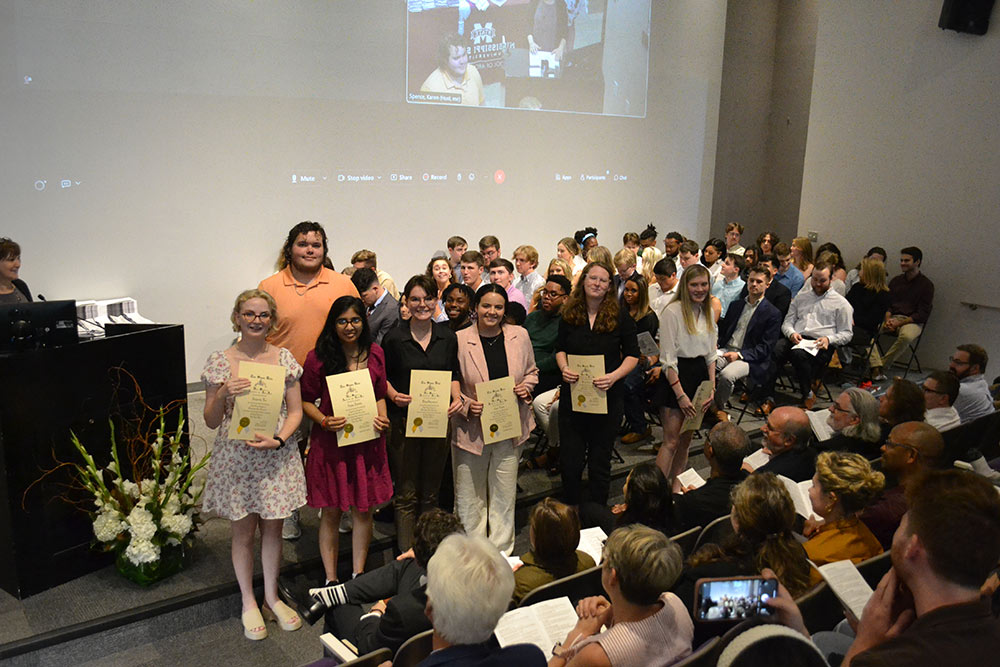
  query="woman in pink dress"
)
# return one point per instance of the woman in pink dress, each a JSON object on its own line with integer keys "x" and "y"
{"x": 352, "y": 477}
{"x": 254, "y": 483}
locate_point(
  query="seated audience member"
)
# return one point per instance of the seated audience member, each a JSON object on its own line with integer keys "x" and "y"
{"x": 469, "y": 586}
{"x": 630, "y": 241}
{"x": 854, "y": 275}
{"x": 647, "y": 501}
{"x": 728, "y": 284}
{"x": 554, "y": 534}
{"x": 776, "y": 293}
{"x": 456, "y": 248}
{"x": 819, "y": 315}
{"x": 529, "y": 280}
{"x": 635, "y": 298}
{"x": 928, "y": 610}
{"x": 832, "y": 260}
{"x": 788, "y": 274}
{"x": 543, "y": 329}
{"x": 515, "y": 314}
{"x": 751, "y": 257}
{"x": 672, "y": 245}
{"x": 911, "y": 299}
{"x": 489, "y": 247}
{"x": 647, "y": 237}
{"x": 836, "y": 260}
{"x": 766, "y": 241}
{"x": 471, "y": 270}
{"x": 502, "y": 274}
{"x": 763, "y": 517}
{"x": 664, "y": 285}
{"x": 382, "y": 307}
{"x": 454, "y": 74}
{"x": 586, "y": 238}
{"x": 844, "y": 484}
{"x": 787, "y": 436}
{"x": 712, "y": 255}
{"x": 458, "y": 300}
{"x": 568, "y": 250}
{"x": 366, "y": 259}
{"x": 397, "y": 589}
{"x": 802, "y": 255}
{"x": 854, "y": 420}
{"x": 688, "y": 255}
{"x": 902, "y": 402}
{"x": 747, "y": 333}
{"x": 725, "y": 448}
{"x": 912, "y": 449}
{"x": 625, "y": 266}
{"x": 870, "y": 299}
{"x": 968, "y": 363}
{"x": 646, "y": 626}
{"x": 940, "y": 392}
{"x": 734, "y": 232}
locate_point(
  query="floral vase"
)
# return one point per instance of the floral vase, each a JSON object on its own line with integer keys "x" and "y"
{"x": 173, "y": 559}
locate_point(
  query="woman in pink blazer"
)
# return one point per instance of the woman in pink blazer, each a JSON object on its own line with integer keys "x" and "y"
{"x": 486, "y": 471}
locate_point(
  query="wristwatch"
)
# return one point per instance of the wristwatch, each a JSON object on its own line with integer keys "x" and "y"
{"x": 281, "y": 442}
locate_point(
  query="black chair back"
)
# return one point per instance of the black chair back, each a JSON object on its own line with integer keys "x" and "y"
{"x": 576, "y": 587}
{"x": 715, "y": 532}
{"x": 687, "y": 540}
{"x": 703, "y": 656}
{"x": 820, "y": 608}
{"x": 414, "y": 650}
{"x": 373, "y": 659}
{"x": 875, "y": 568}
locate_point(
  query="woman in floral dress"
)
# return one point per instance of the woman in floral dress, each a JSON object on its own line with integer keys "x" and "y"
{"x": 254, "y": 483}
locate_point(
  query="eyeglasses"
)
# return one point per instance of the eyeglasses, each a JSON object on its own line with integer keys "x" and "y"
{"x": 552, "y": 295}
{"x": 890, "y": 444}
{"x": 932, "y": 391}
{"x": 836, "y": 408}
{"x": 344, "y": 321}
{"x": 250, "y": 316}
{"x": 958, "y": 362}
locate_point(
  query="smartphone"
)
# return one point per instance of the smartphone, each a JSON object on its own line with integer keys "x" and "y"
{"x": 733, "y": 598}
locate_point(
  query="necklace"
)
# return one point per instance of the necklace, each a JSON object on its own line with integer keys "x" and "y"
{"x": 491, "y": 341}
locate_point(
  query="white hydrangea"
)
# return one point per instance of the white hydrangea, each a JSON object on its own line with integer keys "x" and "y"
{"x": 130, "y": 488}
{"x": 141, "y": 550}
{"x": 177, "y": 524}
{"x": 108, "y": 525}
{"x": 141, "y": 523}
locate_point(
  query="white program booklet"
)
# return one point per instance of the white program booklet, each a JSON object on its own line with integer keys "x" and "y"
{"x": 542, "y": 624}
{"x": 592, "y": 542}
{"x": 757, "y": 459}
{"x": 818, "y": 420}
{"x": 690, "y": 477}
{"x": 848, "y": 585}
{"x": 799, "y": 491}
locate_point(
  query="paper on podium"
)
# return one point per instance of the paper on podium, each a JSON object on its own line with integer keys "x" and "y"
{"x": 542, "y": 624}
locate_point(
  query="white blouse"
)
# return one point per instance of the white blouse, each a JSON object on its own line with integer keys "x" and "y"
{"x": 676, "y": 341}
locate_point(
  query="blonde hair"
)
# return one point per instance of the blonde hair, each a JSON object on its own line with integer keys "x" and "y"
{"x": 625, "y": 256}
{"x": 851, "y": 478}
{"x": 566, "y": 267}
{"x": 646, "y": 562}
{"x": 687, "y": 306}
{"x": 601, "y": 255}
{"x": 650, "y": 256}
{"x": 529, "y": 252}
{"x": 245, "y": 296}
{"x": 803, "y": 244}
{"x": 570, "y": 244}
{"x": 872, "y": 275}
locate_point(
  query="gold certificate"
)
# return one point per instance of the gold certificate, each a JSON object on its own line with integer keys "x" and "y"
{"x": 501, "y": 418}
{"x": 257, "y": 411}
{"x": 700, "y": 396}
{"x": 427, "y": 414}
{"x": 586, "y": 397}
{"x": 353, "y": 397}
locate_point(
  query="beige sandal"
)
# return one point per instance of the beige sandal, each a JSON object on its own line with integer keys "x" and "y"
{"x": 281, "y": 613}
{"x": 253, "y": 624}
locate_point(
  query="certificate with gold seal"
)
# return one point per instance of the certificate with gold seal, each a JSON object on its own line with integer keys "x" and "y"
{"x": 427, "y": 414}
{"x": 501, "y": 418}
{"x": 353, "y": 398}
{"x": 257, "y": 410}
{"x": 586, "y": 397}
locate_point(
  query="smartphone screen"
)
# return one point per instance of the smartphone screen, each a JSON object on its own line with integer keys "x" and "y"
{"x": 733, "y": 599}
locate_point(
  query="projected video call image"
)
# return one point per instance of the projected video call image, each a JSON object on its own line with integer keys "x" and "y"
{"x": 734, "y": 599}
{"x": 584, "y": 56}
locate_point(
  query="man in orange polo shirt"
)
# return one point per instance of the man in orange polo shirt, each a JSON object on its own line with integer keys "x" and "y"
{"x": 304, "y": 288}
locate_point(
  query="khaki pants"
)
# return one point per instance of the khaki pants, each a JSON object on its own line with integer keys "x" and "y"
{"x": 907, "y": 334}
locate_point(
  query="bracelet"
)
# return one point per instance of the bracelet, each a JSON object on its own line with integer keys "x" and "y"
{"x": 675, "y": 383}
{"x": 281, "y": 442}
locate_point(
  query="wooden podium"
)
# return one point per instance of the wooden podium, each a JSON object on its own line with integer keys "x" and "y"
{"x": 44, "y": 394}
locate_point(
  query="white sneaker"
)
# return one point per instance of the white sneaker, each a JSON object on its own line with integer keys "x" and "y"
{"x": 290, "y": 528}
{"x": 346, "y": 523}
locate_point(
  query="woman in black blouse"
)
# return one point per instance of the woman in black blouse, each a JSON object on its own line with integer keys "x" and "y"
{"x": 417, "y": 464}
{"x": 635, "y": 297}
{"x": 593, "y": 324}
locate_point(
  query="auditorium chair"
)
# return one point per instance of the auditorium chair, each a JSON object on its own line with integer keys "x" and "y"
{"x": 576, "y": 587}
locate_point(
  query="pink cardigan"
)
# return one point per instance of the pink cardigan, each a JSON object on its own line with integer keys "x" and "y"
{"x": 468, "y": 431}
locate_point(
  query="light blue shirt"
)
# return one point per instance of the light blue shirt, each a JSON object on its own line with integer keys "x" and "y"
{"x": 974, "y": 399}
{"x": 792, "y": 279}
{"x": 726, "y": 291}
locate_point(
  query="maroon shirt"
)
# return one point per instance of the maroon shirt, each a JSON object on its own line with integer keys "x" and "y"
{"x": 912, "y": 298}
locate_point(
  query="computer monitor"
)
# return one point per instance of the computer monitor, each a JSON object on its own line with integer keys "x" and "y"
{"x": 28, "y": 326}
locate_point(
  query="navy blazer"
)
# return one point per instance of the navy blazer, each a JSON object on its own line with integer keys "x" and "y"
{"x": 487, "y": 655}
{"x": 763, "y": 332}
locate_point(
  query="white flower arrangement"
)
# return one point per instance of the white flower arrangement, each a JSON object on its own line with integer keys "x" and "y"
{"x": 137, "y": 519}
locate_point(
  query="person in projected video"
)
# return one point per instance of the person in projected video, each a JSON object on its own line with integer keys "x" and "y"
{"x": 454, "y": 74}
{"x": 549, "y": 29}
